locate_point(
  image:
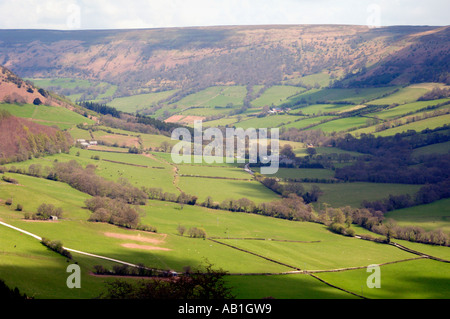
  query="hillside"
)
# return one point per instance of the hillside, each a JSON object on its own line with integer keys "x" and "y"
{"x": 197, "y": 58}
{"x": 23, "y": 139}
{"x": 363, "y": 179}
{"x": 13, "y": 89}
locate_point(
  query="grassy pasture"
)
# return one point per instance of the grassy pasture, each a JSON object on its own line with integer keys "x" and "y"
{"x": 297, "y": 173}
{"x": 417, "y": 126}
{"x": 321, "y": 108}
{"x": 228, "y": 120}
{"x": 438, "y": 148}
{"x": 356, "y": 96}
{"x": 135, "y": 103}
{"x": 325, "y": 151}
{"x": 72, "y": 83}
{"x": 276, "y": 95}
{"x": 268, "y": 121}
{"x": 222, "y": 189}
{"x": 304, "y": 122}
{"x": 352, "y": 194}
{"x": 41, "y": 273}
{"x": 405, "y": 108}
{"x": 332, "y": 251}
{"x": 402, "y": 96}
{"x": 431, "y": 216}
{"x": 283, "y": 287}
{"x": 65, "y": 83}
{"x": 341, "y": 124}
{"x": 329, "y": 253}
{"x": 213, "y": 171}
{"x": 416, "y": 279}
{"x": 46, "y": 115}
{"x": 215, "y": 96}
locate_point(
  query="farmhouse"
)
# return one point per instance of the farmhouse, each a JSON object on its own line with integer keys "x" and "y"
{"x": 275, "y": 110}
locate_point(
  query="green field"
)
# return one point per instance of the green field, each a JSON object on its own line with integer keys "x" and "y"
{"x": 276, "y": 95}
{"x": 264, "y": 256}
{"x": 330, "y": 252}
{"x": 103, "y": 90}
{"x": 268, "y": 121}
{"x": 223, "y": 189}
{"x": 404, "y": 95}
{"x": 417, "y": 279}
{"x": 215, "y": 96}
{"x": 356, "y": 96}
{"x": 298, "y": 173}
{"x": 438, "y": 148}
{"x": 431, "y": 216}
{"x": 46, "y": 115}
{"x": 136, "y": 103}
{"x": 352, "y": 194}
{"x": 321, "y": 108}
{"x": 405, "y": 109}
{"x": 341, "y": 124}
{"x": 417, "y": 126}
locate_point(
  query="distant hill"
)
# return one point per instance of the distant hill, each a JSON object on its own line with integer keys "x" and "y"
{"x": 194, "y": 58}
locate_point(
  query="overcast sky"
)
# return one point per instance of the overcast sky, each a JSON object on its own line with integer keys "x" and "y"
{"x": 115, "y": 14}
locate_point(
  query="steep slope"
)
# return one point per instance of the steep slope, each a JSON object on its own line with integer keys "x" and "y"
{"x": 425, "y": 58}
{"x": 22, "y": 139}
{"x": 13, "y": 89}
{"x": 195, "y": 58}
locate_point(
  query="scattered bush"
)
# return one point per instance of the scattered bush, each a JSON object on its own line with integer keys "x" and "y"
{"x": 181, "y": 230}
{"x": 37, "y": 101}
{"x": 56, "y": 246}
{"x": 9, "y": 180}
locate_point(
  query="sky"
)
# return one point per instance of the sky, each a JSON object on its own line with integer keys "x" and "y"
{"x": 130, "y": 14}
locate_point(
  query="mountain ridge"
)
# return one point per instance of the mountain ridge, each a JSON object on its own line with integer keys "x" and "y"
{"x": 193, "y": 58}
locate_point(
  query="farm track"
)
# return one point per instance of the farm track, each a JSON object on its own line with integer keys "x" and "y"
{"x": 174, "y": 169}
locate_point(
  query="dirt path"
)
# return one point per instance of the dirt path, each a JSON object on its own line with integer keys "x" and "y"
{"x": 176, "y": 176}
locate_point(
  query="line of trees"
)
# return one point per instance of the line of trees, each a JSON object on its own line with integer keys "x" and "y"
{"x": 426, "y": 194}
{"x": 101, "y": 108}
{"x": 86, "y": 181}
{"x": 392, "y": 159}
{"x": 288, "y": 188}
{"x": 116, "y": 212}
{"x": 57, "y": 246}
{"x": 339, "y": 221}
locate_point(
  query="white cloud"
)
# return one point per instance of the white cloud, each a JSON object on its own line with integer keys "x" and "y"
{"x": 103, "y": 14}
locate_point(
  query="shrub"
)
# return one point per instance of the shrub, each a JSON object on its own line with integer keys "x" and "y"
{"x": 9, "y": 201}
{"x": 147, "y": 228}
{"x": 45, "y": 211}
{"x": 19, "y": 207}
{"x": 181, "y": 229}
{"x": 10, "y": 180}
{"x": 56, "y": 246}
{"x": 195, "y": 232}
